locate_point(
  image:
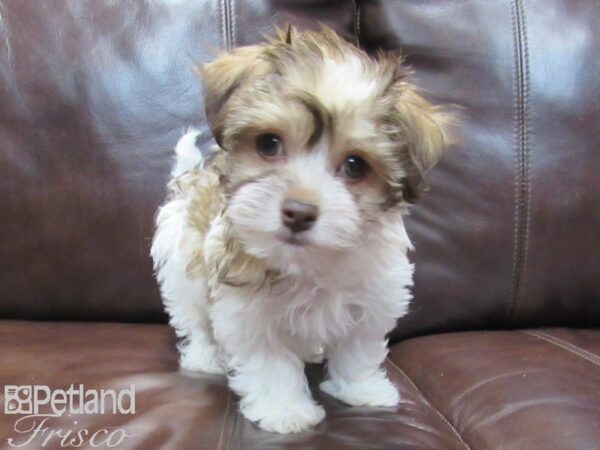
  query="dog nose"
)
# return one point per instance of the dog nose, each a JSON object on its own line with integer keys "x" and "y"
{"x": 298, "y": 216}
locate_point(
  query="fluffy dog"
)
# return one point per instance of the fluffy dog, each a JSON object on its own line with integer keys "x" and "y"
{"x": 291, "y": 241}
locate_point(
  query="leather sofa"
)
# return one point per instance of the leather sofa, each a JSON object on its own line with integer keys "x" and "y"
{"x": 501, "y": 349}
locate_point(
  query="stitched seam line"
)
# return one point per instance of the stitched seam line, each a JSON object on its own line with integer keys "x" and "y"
{"x": 522, "y": 188}
{"x": 236, "y": 433}
{"x": 356, "y": 4}
{"x": 225, "y": 8}
{"x": 571, "y": 348}
{"x": 232, "y": 35}
{"x": 223, "y": 26}
{"x": 225, "y": 420}
{"x": 433, "y": 408}
{"x": 527, "y": 158}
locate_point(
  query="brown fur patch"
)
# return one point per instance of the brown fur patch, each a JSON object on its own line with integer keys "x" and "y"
{"x": 227, "y": 263}
{"x": 303, "y": 195}
{"x": 310, "y": 87}
{"x": 274, "y": 87}
{"x": 206, "y": 201}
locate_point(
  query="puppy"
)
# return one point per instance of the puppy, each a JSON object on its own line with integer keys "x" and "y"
{"x": 291, "y": 241}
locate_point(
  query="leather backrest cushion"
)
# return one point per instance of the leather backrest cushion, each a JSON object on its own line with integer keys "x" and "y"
{"x": 93, "y": 95}
{"x": 509, "y": 235}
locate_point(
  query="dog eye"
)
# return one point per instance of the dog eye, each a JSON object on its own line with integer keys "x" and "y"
{"x": 354, "y": 167}
{"x": 269, "y": 144}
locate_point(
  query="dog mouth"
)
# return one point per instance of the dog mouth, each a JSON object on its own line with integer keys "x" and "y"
{"x": 295, "y": 239}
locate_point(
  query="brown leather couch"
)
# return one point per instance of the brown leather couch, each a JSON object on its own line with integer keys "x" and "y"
{"x": 502, "y": 347}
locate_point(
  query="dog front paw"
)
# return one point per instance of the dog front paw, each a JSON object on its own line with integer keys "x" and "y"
{"x": 376, "y": 391}
{"x": 201, "y": 358}
{"x": 274, "y": 416}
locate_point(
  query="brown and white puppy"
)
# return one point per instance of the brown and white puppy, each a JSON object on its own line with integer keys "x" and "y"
{"x": 291, "y": 241}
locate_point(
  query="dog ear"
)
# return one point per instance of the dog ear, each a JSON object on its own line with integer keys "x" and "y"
{"x": 425, "y": 134}
{"x": 221, "y": 78}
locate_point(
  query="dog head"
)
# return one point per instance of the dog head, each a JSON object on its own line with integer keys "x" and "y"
{"x": 319, "y": 139}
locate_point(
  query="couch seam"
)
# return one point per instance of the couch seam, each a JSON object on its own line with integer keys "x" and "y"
{"x": 428, "y": 403}
{"x": 221, "y": 7}
{"x": 225, "y": 420}
{"x": 236, "y": 432}
{"x": 522, "y": 178}
{"x": 232, "y": 24}
{"x": 225, "y": 10}
{"x": 356, "y": 23}
{"x": 527, "y": 156}
{"x": 569, "y": 347}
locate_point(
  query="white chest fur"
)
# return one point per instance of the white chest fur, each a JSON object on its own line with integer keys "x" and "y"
{"x": 319, "y": 300}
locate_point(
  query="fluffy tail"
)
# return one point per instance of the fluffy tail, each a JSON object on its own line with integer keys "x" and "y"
{"x": 187, "y": 155}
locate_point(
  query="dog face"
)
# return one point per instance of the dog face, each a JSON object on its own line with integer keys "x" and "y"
{"x": 319, "y": 140}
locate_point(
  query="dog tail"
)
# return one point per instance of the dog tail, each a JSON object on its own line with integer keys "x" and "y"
{"x": 187, "y": 155}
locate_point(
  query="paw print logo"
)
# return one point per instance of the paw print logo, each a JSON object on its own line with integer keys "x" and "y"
{"x": 17, "y": 399}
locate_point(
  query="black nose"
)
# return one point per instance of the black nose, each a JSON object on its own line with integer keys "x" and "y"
{"x": 298, "y": 216}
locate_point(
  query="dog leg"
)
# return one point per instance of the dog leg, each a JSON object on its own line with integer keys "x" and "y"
{"x": 184, "y": 297}
{"x": 355, "y": 374}
{"x": 199, "y": 353}
{"x": 274, "y": 391}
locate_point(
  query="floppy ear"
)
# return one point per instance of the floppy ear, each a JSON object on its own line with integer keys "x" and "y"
{"x": 425, "y": 131}
{"x": 221, "y": 77}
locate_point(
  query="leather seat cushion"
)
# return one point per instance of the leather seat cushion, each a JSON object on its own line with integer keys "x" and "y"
{"x": 537, "y": 389}
{"x": 497, "y": 389}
